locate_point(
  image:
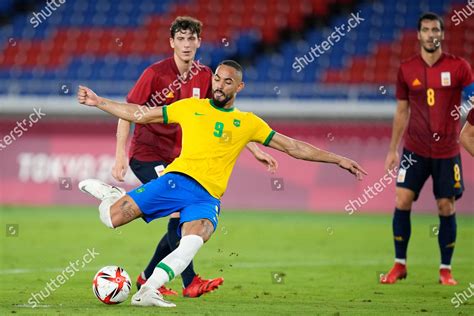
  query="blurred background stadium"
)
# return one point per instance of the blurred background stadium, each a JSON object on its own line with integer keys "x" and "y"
{"x": 342, "y": 100}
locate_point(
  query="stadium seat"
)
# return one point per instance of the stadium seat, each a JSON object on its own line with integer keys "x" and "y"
{"x": 122, "y": 38}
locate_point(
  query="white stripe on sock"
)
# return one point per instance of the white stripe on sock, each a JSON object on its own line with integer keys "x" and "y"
{"x": 402, "y": 261}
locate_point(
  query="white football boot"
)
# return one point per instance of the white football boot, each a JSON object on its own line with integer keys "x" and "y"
{"x": 100, "y": 190}
{"x": 148, "y": 296}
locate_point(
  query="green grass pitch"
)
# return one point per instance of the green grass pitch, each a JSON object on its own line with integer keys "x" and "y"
{"x": 273, "y": 264}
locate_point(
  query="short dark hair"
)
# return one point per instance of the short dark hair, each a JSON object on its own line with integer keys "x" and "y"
{"x": 233, "y": 64}
{"x": 432, "y": 17}
{"x": 183, "y": 23}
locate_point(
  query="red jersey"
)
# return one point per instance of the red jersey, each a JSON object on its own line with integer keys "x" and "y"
{"x": 432, "y": 94}
{"x": 161, "y": 84}
{"x": 470, "y": 117}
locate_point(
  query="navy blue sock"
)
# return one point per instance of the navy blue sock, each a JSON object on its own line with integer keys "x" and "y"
{"x": 401, "y": 232}
{"x": 447, "y": 237}
{"x": 162, "y": 250}
{"x": 173, "y": 241}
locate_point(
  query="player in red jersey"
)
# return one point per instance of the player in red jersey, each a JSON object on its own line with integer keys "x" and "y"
{"x": 154, "y": 146}
{"x": 429, "y": 88}
{"x": 467, "y": 133}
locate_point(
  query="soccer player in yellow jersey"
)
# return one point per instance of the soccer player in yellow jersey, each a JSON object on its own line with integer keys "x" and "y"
{"x": 214, "y": 133}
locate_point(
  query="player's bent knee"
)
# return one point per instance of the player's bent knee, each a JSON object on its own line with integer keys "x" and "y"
{"x": 403, "y": 203}
{"x": 445, "y": 207}
{"x": 404, "y": 198}
{"x": 124, "y": 211}
{"x": 201, "y": 227}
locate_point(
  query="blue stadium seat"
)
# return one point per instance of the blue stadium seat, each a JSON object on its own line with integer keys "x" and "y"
{"x": 6, "y": 5}
{"x": 384, "y": 21}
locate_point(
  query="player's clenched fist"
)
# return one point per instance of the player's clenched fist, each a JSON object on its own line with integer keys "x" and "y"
{"x": 87, "y": 96}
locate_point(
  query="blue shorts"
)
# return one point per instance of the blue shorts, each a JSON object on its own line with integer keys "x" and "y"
{"x": 176, "y": 192}
{"x": 446, "y": 173}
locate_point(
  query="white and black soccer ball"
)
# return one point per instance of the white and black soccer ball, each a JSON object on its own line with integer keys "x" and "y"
{"x": 111, "y": 285}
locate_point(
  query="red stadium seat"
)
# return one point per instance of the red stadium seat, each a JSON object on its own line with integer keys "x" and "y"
{"x": 266, "y": 17}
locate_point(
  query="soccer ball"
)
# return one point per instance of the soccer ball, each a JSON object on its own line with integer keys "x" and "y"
{"x": 111, "y": 285}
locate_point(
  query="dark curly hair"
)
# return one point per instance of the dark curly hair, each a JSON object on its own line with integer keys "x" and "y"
{"x": 183, "y": 23}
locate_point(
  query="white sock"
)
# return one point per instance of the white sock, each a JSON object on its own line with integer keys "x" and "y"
{"x": 104, "y": 211}
{"x": 402, "y": 261}
{"x": 445, "y": 266}
{"x": 175, "y": 262}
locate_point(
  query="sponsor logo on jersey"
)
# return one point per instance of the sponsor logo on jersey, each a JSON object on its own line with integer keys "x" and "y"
{"x": 416, "y": 83}
{"x": 197, "y": 93}
{"x": 236, "y": 122}
{"x": 446, "y": 79}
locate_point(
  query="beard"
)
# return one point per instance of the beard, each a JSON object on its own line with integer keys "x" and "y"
{"x": 436, "y": 44}
{"x": 220, "y": 103}
{"x": 430, "y": 50}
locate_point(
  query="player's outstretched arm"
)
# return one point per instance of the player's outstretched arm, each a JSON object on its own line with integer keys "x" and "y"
{"x": 127, "y": 111}
{"x": 305, "y": 151}
{"x": 467, "y": 137}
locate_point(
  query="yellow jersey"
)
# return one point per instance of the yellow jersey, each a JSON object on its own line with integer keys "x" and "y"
{"x": 212, "y": 139}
